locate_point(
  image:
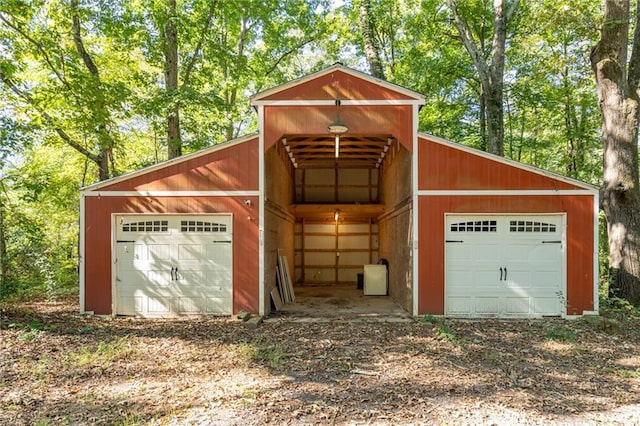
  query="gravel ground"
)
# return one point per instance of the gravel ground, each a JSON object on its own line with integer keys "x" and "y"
{"x": 60, "y": 368}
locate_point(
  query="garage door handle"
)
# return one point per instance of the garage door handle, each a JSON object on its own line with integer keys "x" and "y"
{"x": 505, "y": 273}
{"x": 500, "y": 273}
{"x": 454, "y": 241}
{"x": 172, "y": 273}
{"x": 552, "y": 242}
{"x": 222, "y": 241}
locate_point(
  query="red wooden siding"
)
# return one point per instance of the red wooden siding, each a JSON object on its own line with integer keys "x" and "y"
{"x": 392, "y": 119}
{"x": 444, "y": 167}
{"x": 233, "y": 168}
{"x": 579, "y": 234}
{"x": 326, "y": 87}
{"x": 98, "y": 242}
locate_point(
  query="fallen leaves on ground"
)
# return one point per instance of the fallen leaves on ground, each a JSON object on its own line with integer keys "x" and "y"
{"x": 59, "y": 367}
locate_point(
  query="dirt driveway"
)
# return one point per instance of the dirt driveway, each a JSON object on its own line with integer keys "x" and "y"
{"x": 57, "y": 367}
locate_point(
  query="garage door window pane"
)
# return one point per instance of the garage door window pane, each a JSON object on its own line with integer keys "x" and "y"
{"x": 202, "y": 226}
{"x": 474, "y": 226}
{"x": 146, "y": 226}
{"x": 531, "y": 226}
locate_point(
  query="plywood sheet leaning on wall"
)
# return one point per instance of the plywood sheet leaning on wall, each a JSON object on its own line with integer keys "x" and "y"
{"x": 283, "y": 279}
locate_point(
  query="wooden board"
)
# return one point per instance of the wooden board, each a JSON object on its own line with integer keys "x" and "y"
{"x": 292, "y": 295}
{"x": 277, "y": 300}
{"x": 283, "y": 278}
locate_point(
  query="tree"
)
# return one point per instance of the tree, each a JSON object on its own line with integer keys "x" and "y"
{"x": 491, "y": 74}
{"x": 617, "y": 73}
{"x": 170, "y": 32}
{"x": 65, "y": 91}
{"x": 370, "y": 39}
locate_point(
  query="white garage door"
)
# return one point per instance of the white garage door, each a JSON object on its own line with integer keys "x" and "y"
{"x": 504, "y": 266}
{"x": 173, "y": 265}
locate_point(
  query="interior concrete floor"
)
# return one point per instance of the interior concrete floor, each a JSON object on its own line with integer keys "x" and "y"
{"x": 340, "y": 303}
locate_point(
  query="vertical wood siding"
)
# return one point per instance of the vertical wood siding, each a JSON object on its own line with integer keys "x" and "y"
{"x": 327, "y": 86}
{"x": 228, "y": 169}
{"x": 98, "y": 242}
{"x": 443, "y": 167}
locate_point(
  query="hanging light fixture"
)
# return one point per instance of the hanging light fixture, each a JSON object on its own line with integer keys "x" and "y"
{"x": 337, "y": 127}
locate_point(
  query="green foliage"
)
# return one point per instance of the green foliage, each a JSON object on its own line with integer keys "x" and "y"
{"x": 431, "y": 319}
{"x": 443, "y": 333}
{"x": 41, "y": 210}
{"x": 104, "y": 353}
{"x": 238, "y": 49}
{"x": 273, "y": 356}
{"x": 616, "y": 307}
{"x": 561, "y": 333}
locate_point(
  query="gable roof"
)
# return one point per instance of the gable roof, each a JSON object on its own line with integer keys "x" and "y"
{"x": 163, "y": 164}
{"x": 508, "y": 161}
{"x": 261, "y": 96}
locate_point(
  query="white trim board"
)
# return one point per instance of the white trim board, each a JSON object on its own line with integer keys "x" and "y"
{"x": 415, "y": 215}
{"x": 596, "y": 241}
{"x": 171, "y": 194}
{"x": 81, "y": 262}
{"x": 364, "y": 102}
{"x": 504, "y": 192}
{"x": 262, "y": 300}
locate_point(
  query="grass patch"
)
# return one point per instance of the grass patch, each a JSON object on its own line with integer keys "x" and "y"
{"x": 628, "y": 374}
{"x": 444, "y": 334}
{"x": 104, "y": 353}
{"x": 430, "y": 319}
{"x": 562, "y": 334}
{"x": 272, "y": 356}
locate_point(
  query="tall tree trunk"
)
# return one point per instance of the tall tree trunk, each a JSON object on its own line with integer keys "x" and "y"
{"x": 492, "y": 73}
{"x": 572, "y": 129}
{"x": 174, "y": 141}
{"x": 369, "y": 39}
{"x": 4, "y": 262}
{"x": 483, "y": 121}
{"x": 617, "y": 85}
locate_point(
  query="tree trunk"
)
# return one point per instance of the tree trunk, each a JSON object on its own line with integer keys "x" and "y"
{"x": 495, "y": 121}
{"x": 483, "y": 120}
{"x": 618, "y": 95}
{"x": 4, "y": 262}
{"x": 491, "y": 74}
{"x": 174, "y": 141}
{"x": 369, "y": 40}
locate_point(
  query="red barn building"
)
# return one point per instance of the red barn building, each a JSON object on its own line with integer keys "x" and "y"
{"x": 464, "y": 233}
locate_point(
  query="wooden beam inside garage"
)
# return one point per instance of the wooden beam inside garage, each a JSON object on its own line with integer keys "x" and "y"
{"x": 327, "y": 211}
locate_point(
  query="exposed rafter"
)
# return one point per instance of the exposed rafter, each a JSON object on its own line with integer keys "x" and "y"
{"x": 356, "y": 150}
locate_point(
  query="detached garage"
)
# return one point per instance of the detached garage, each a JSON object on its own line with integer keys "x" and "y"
{"x": 338, "y": 178}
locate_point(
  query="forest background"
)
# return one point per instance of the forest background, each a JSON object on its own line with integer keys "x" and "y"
{"x": 93, "y": 89}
